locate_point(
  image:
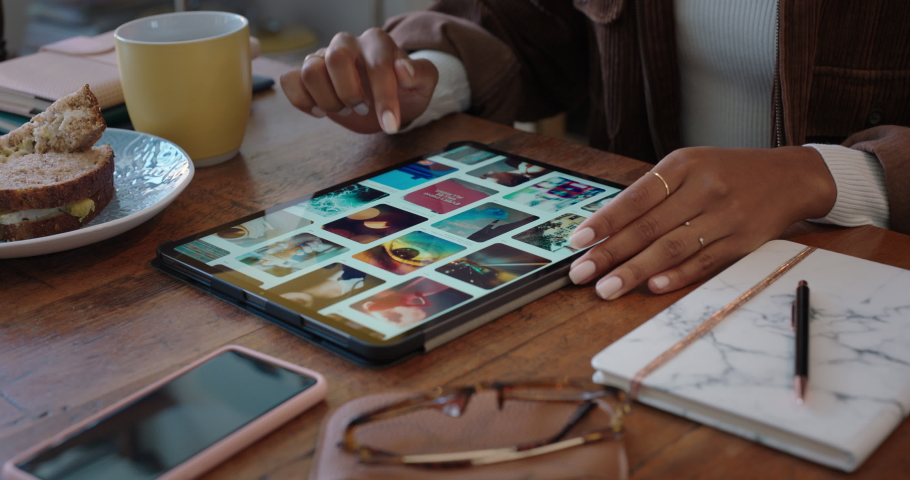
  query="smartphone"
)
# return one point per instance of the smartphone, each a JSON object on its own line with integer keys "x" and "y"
{"x": 180, "y": 426}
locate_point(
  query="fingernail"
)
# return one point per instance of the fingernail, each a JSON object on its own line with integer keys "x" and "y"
{"x": 317, "y": 112}
{"x": 362, "y": 109}
{"x": 388, "y": 122}
{"x": 608, "y": 288}
{"x": 344, "y": 112}
{"x": 407, "y": 66}
{"x": 582, "y": 272}
{"x": 581, "y": 238}
{"x": 661, "y": 282}
{"x": 575, "y": 263}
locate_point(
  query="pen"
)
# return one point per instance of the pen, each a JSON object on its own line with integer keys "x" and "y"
{"x": 801, "y": 325}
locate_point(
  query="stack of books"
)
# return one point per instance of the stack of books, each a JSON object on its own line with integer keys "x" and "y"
{"x": 29, "y": 84}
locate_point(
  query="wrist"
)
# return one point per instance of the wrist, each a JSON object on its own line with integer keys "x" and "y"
{"x": 815, "y": 183}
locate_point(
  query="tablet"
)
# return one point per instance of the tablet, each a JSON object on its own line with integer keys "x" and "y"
{"x": 403, "y": 260}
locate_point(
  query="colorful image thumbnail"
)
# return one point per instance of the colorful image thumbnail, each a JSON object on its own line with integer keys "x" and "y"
{"x": 342, "y": 200}
{"x": 412, "y": 302}
{"x": 326, "y": 286}
{"x": 449, "y": 195}
{"x": 264, "y": 228}
{"x": 510, "y": 172}
{"x": 367, "y": 226}
{"x": 552, "y": 235}
{"x": 409, "y": 252}
{"x": 493, "y": 266}
{"x": 292, "y": 254}
{"x": 554, "y": 194}
{"x": 485, "y": 222}
{"x": 593, "y": 207}
{"x": 414, "y": 174}
{"x": 201, "y": 250}
{"x": 467, "y": 155}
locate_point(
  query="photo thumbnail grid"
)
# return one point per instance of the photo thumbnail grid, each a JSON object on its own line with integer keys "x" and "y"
{"x": 444, "y": 221}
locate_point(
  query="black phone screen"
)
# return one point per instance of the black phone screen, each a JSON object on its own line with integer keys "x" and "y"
{"x": 161, "y": 430}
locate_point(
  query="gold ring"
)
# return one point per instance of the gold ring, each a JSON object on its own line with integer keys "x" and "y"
{"x": 667, "y": 187}
{"x": 702, "y": 242}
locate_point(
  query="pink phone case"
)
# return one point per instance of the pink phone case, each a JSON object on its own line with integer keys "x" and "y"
{"x": 215, "y": 453}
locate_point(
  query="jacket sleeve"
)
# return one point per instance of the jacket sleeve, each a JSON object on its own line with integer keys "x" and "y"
{"x": 524, "y": 60}
{"x": 891, "y": 144}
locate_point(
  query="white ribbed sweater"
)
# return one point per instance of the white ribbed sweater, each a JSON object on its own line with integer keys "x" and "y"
{"x": 726, "y": 60}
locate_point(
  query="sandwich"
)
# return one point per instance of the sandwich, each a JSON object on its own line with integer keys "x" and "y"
{"x": 52, "y": 178}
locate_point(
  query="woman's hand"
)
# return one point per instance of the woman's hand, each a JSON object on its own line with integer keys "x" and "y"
{"x": 717, "y": 205}
{"x": 363, "y": 83}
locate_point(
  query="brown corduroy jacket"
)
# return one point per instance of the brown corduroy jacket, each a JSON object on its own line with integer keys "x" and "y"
{"x": 842, "y": 74}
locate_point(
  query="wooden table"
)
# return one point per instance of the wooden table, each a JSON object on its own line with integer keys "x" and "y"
{"x": 83, "y": 328}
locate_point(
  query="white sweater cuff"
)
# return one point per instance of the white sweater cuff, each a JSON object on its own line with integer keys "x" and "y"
{"x": 862, "y": 196}
{"x": 452, "y": 94}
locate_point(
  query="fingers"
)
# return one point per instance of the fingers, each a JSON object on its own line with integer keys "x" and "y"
{"x": 632, "y": 203}
{"x": 703, "y": 239}
{"x": 297, "y": 94}
{"x": 341, "y": 60}
{"x": 380, "y": 54}
{"x": 358, "y": 75}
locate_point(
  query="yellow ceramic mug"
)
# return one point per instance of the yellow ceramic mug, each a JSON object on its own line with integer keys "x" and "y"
{"x": 186, "y": 77}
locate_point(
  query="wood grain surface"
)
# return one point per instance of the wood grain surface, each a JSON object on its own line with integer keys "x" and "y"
{"x": 82, "y": 328}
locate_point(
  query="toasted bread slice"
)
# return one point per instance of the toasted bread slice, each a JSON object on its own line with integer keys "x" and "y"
{"x": 71, "y": 124}
{"x": 61, "y": 222}
{"x": 50, "y": 180}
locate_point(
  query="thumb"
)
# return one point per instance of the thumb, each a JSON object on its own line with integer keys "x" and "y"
{"x": 416, "y": 74}
{"x": 417, "y": 79}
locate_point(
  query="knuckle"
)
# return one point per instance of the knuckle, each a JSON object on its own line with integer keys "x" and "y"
{"x": 312, "y": 72}
{"x": 647, "y": 229}
{"x": 705, "y": 263}
{"x": 339, "y": 57}
{"x": 674, "y": 248}
{"x": 637, "y": 197}
{"x": 603, "y": 256}
{"x": 373, "y": 33}
{"x": 343, "y": 38}
{"x": 635, "y": 273}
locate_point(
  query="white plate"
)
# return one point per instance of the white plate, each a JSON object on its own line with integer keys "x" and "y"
{"x": 149, "y": 173}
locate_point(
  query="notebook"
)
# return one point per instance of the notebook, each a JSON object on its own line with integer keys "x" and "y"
{"x": 30, "y": 83}
{"x": 739, "y": 376}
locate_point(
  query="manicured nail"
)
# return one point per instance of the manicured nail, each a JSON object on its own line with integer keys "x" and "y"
{"x": 362, "y": 109}
{"x": 575, "y": 263}
{"x": 344, "y": 112}
{"x": 581, "y": 238}
{"x": 608, "y": 289}
{"x": 317, "y": 112}
{"x": 389, "y": 124}
{"x": 582, "y": 272}
{"x": 661, "y": 282}
{"x": 407, "y": 66}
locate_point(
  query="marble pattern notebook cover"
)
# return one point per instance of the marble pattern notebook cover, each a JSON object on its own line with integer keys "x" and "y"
{"x": 739, "y": 376}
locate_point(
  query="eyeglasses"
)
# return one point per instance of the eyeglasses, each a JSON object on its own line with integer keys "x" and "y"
{"x": 453, "y": 402}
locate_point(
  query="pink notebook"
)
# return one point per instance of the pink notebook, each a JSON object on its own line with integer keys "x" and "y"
{"x": 33, "y": 82}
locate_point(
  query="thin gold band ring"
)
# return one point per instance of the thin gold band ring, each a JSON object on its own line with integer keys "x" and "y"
{"x": 666, "y": 186}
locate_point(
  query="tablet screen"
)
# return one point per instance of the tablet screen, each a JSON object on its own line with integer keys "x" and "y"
{"x": 388, "y": 253}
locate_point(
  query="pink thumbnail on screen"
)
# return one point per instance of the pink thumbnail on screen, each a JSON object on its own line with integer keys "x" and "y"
{"x": 448, "y": 195}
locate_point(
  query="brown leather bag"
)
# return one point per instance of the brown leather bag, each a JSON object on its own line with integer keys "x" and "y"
{"x": 481, "y": 426}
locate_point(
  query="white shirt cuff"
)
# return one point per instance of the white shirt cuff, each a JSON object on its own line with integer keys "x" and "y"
{"x": 862, "y": 196}
{"x": 452, "y": 94}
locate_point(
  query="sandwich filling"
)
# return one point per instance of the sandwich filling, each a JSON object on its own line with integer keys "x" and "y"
{"x": 79, "y": 209}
